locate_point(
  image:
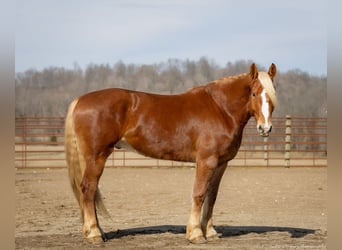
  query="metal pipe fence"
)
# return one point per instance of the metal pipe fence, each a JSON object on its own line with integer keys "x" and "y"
{"x": 294, "y": 141}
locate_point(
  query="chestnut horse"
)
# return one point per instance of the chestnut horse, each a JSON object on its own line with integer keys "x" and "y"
{"x": 203, "y": 125}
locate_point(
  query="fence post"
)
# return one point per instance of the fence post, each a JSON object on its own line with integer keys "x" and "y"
{"x": 287, "y": 155}
{"x": 266, "y": 150}
{"x": 24, "y": 163}
{"x": 124, "y": 158}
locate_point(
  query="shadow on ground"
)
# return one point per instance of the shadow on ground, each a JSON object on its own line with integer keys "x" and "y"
{"x": 224, "y": 231}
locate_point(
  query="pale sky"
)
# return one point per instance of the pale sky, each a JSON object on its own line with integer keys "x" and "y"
{"x": 59, "y": 33}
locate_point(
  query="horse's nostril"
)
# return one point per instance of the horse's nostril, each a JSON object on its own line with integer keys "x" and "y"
{"x": 260, "y": 128}
{"x": 270, "y": 129}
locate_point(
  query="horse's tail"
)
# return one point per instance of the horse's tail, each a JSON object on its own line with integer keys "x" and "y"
{"x": 76, "y": 162}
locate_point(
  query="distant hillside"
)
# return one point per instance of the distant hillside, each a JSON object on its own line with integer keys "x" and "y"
{"x": 48, "y": 92}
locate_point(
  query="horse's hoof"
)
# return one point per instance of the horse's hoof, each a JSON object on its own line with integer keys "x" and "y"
{"x": 95, "y": 236}
{"x": 198, "y": 240}
{"x": 213, "y": 237}
{"x": 95, "y": 239}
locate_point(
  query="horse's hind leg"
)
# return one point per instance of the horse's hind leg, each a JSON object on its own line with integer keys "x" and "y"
{"x": 208, "y": 206}
{"x": 89, "y": 185}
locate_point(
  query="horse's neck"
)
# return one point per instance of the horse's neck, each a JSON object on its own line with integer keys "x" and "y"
{"x": 232, "y": 97}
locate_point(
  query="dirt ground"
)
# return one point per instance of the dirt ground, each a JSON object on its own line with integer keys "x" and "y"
{"x": 257, "y": 208}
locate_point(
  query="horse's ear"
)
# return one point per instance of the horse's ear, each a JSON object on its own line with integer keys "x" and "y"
{"x": 253, "y": 71}
{"x": 272, "y": 71}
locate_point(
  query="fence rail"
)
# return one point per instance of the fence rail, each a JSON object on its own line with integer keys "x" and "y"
{"x": 294, "y": 141}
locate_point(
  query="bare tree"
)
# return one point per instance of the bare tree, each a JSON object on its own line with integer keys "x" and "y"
{"x": 48, "y": 92}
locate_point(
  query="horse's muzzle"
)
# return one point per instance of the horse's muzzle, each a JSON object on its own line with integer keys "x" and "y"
{"x": 264, "y": 130}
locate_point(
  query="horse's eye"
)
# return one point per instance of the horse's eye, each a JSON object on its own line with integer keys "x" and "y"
{"x": 254, "y": 94}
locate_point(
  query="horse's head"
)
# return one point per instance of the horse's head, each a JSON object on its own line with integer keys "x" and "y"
{"x": 263, "y": 98}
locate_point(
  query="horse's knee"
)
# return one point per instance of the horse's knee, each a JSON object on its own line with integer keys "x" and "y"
{"x": 198, "y": 199}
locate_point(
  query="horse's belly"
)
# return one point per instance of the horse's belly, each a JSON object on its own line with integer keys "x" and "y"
{"x": 157, "y": 150}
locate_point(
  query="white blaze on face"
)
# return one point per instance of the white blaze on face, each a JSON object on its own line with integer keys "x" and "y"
{"x": 265, "y": 107}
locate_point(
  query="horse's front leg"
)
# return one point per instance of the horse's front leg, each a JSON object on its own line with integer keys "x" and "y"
{"x": 208, "y": 206}
{"x": 204, "y": 173}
